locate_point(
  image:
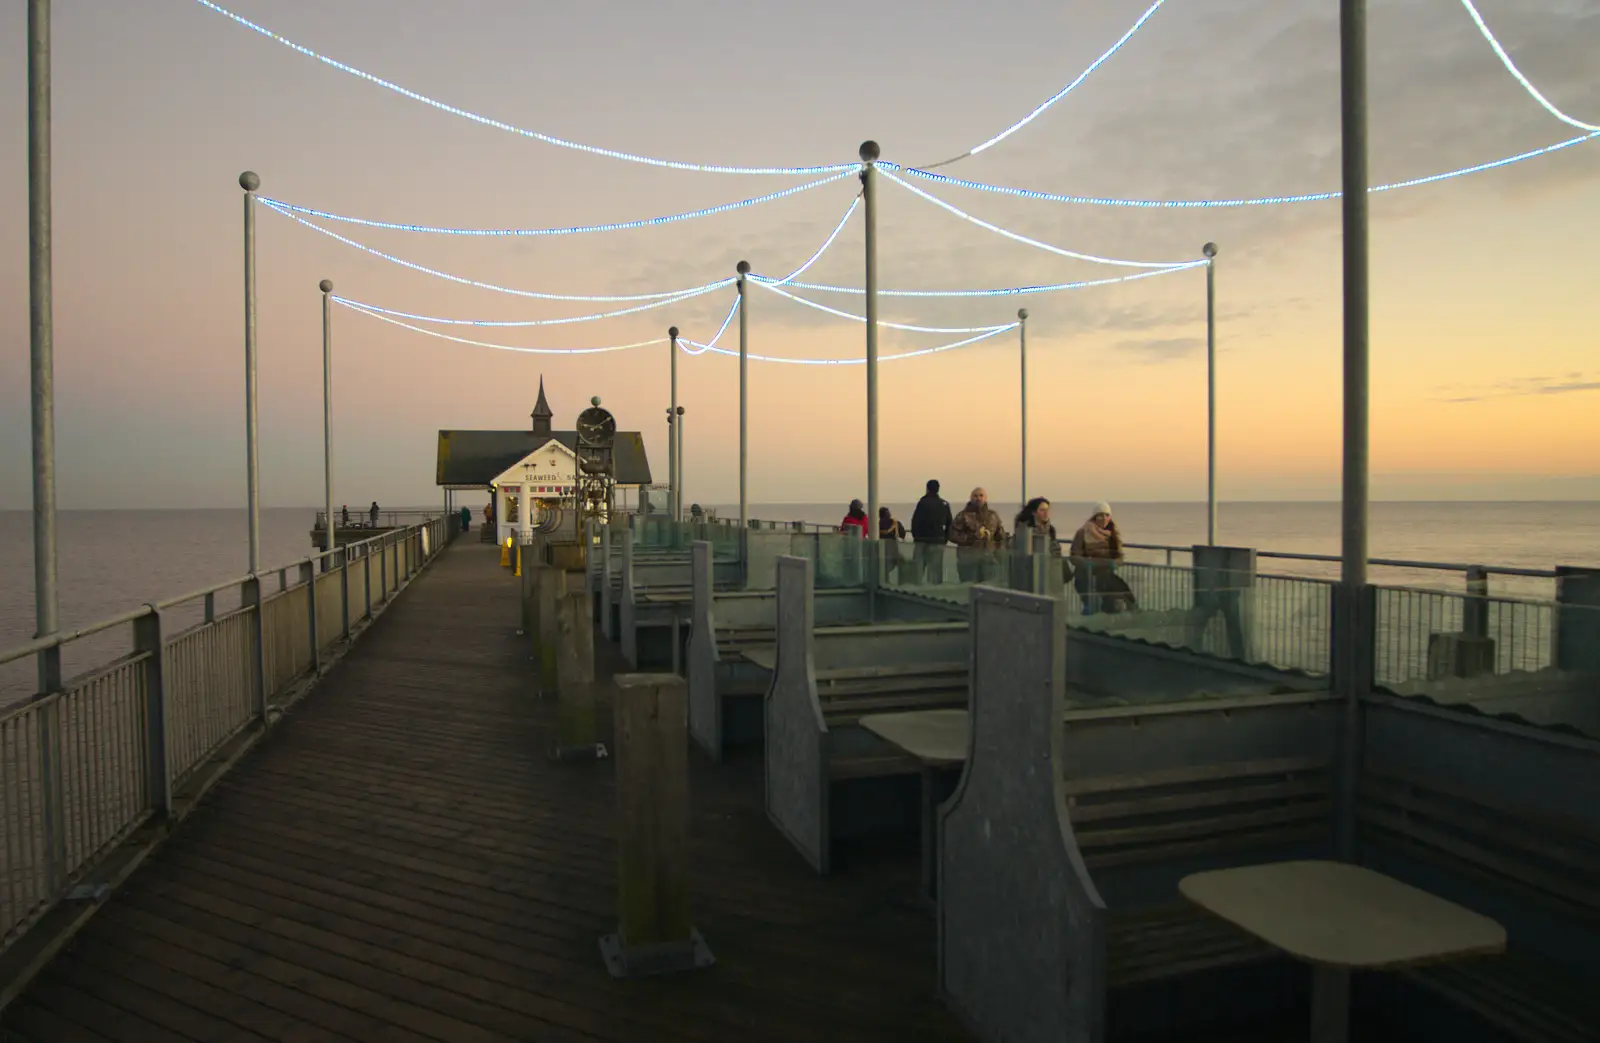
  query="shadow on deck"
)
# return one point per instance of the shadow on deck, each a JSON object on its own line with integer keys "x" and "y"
{"x": 401, "y": 862}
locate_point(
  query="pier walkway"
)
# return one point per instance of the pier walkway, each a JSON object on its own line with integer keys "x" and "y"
{"x": 401, "y": 862}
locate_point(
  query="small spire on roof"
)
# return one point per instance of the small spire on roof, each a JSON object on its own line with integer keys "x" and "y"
{"x": 542, "y": 413}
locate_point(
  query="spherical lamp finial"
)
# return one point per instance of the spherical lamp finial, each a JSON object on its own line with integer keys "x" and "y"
{"x": 869, "y": 152}
{"x": 595, "y": 401}
{"x": 1022, "y": 313}
{"x": 1210, "y": 250}
{"x": 672, "y": 331}
{"x": 326, "y": 286}
{"x": 680, "y": 411}
{"x": 249, "y": 181}
{"x": 743, "y": 267}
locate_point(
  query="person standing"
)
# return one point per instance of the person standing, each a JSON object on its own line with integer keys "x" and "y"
{"x": 855, "y": 520}
{"x": 890, "y": 533}
{"x": 1096, "y": 550}
{"x": 466, "y": 518}
{"x": 930, "y": 529}
{"x": 373, "y": 513}
{"x": 977, "y": 533}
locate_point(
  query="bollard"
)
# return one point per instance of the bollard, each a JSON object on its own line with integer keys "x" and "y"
{"x": 551, "y": 589}
{"x": 505, "y": 553}
{"x": 516, "y": 566}
{"x": 654, "y": 931}
{"x": 576, "y": 738}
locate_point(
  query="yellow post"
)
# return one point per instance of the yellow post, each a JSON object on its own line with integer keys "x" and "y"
{"x": 505, "y": 553}
{"x": 517, "y": 569}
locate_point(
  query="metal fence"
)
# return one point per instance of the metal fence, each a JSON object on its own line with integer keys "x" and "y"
{"x": 86, "y": 765}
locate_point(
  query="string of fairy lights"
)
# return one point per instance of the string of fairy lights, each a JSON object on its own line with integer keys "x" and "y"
{"x": 819, "y": 176}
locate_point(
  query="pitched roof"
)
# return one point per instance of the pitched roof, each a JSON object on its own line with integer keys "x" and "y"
{"x": 479, "y": 457}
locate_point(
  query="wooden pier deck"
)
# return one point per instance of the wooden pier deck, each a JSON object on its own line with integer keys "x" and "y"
{"x": 401, "y": 862}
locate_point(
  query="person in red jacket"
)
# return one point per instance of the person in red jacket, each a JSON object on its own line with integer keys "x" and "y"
{"x": 855, "y": 520}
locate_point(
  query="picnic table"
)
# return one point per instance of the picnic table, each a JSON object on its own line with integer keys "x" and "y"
{"x": 1340, "y": 917}
{"x": 937, "y": 740}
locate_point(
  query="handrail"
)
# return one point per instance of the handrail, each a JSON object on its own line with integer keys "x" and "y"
{"x": 1391, "y": 563}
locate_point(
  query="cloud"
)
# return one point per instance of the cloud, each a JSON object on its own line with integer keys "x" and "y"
{"x": 1522, "y": 387}
{"x": 1152, "y": 352}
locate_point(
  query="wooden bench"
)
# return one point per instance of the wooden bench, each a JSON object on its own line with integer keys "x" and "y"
{"x": 732, "y": 635}
{"x": 1060, "y": 852}
{"x": 823, "y": 681}
{"x": 1501, "y": 818}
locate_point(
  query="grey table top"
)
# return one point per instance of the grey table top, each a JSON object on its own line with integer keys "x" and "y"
{"x": 937, "y": 738}
{"x": 1335, "y": 914}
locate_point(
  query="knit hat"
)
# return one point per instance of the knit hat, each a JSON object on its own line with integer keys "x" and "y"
{"x": 1103, "y": 508}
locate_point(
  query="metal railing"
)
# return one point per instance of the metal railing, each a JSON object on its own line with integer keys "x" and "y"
{"x": 362, "y": 519}
{"x": 84, "y": 767}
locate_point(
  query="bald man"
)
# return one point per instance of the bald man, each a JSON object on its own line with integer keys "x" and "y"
{"x": 977, "y": 533}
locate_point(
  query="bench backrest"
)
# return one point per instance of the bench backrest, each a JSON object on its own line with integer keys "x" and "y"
{"x": 1157, "y": 792}
{"x": 1499, "y": 817}
{"x": 1021, "y": 923}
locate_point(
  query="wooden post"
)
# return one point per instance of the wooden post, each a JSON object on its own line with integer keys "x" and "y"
{"x": 552, "y": 588}
{"x": 576, "y": 737}
{"x": 654, "y": 931}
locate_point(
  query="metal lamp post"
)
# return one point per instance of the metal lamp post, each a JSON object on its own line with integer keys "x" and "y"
{"x": 1022, "y": 349}
{"x": 1210, "y": 250}
{"x": 869, "y": 153}
{"x": 41, "y": 344}
{"x": 326, "y": 286}
{"x": 743, "y": 268}
{"x": 250, "y": 181}
{"x": 672, "y": 441}
{"x": 678, "y": 434}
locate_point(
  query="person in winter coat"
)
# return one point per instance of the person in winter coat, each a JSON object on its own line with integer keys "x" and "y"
{"x": 1035, "y": 517}
{"x": 977, "y": 533}
{"x": 891, "y": 532}
{"x": 855, "y": 520}
{"x": 1096, "y": 549}
{"x": 930, "y": 528}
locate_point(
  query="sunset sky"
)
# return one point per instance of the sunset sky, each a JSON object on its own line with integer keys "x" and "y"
{"x": 1485, "y": 341}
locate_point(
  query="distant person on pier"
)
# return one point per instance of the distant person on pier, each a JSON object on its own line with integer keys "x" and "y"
{"x": 344, "y": 516}
{"x": 891, "y": 532}
{"x": 466, "y": 519}
{"x": 978, "y": 534}
{"x": 855, "y": 520}
{"x": 373, "y": 513}
{"x": 930, "y": 528}
{"x": 1034, "y": 521}
{"x": 1096, "y": 549}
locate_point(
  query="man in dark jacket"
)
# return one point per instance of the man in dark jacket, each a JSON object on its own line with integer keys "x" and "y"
{"x": 930, "y": 527}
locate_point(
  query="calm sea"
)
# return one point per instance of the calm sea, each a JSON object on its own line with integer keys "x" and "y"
{"x": 111, "y": 561}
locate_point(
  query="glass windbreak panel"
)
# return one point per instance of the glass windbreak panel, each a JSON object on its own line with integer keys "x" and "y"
{"x": 946, "y": 573}
{"x": 764, "y": 548}
{"x": 1537, "y": 661}
{"x": 1280, "y": 622}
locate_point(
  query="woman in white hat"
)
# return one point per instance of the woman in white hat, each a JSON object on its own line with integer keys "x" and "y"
{"x": 1096, "y": 549}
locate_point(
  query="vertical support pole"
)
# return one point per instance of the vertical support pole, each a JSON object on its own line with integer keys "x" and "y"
{"x": 41, "y": 347}
{"x": 869, "y": 197}
{"x": 308, "y": 576}
{"x": 326, "y": 286}
{"x": 250, "y": 181}
{"x": 654, "y": 931}
{"x": 674, "y": 507}
{"x": 250, "y": 598}
{"x": 344, "y": 595}
{"x": 550, "y": 587}
{"x": 1022, "y": 351}
{"x": 677, "y": 424}
{"x": 1210, "y": 250}
{"x": 1475, "y": 609}
{"x": 1353, "y": 558}
{"x": 575, "y": 707}
{"x": 743, "y": 268}
{"x": 211, "y": 608}
{"x": 158, "y": 773}
{"x": 366, "y": 587}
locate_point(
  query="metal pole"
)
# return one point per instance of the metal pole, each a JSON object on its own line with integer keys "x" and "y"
{"x": 673, "y": 506}
{"x": 869, "y": 180}
{"x": 41, "y": 344}
{"x": 327, "y": 416}
{"x": 1022, "y": 348}
{"x": 1353, "y": 635}
{"x": 250, "y": 181}
{"x": 743, "y": 268}
{"x": 1210, "y": 250}
{"x": 678, "y": 427}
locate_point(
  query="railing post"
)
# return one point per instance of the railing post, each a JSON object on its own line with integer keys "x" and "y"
{"x": 366, "y": 587}
{"x": 49, "y": 739}
{"x": 344, "y": 594}
{"x": 211, "y": 608}
{"x": 654, "y": 932}
{"x": 250, "y": 597}
{"x": 308, "y": 576}
{"x": 1575, "y": 633}
{"x": 147, "y": 641}
{"x": 1475, "y": 610}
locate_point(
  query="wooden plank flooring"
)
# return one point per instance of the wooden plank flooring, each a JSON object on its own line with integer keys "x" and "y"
{"x": 401, "y": 862}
